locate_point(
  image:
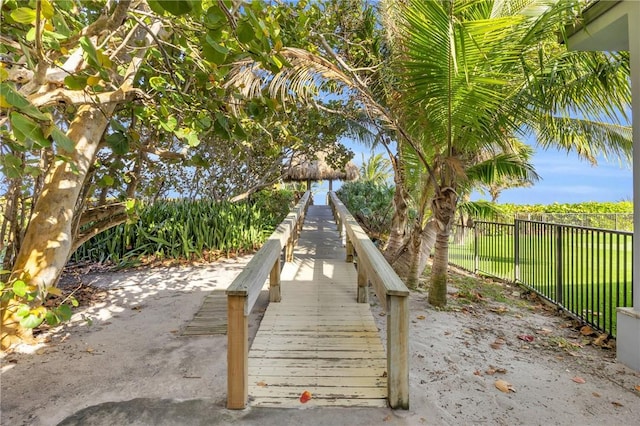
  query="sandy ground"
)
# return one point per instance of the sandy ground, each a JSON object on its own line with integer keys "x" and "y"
{"x": 122, "y": 361}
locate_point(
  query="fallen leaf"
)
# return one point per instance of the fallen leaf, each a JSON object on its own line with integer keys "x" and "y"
{"x": 504, "y": 386}
{"x": 90, "y": 350}
{"x": 600, "y": 340}
{"x": 586, "y": 331}
{"x": 579, "y": 380}
{"x": 526, "y": 337}
{"x": 41, "y": 351}
{"x": 497, "y": 344}
{"x": 501, "y": 370}
{"x": 499, "y": 310}
{"x": 596, "y": 394}
{"x": 387, "y": 418}
{"x": 261, "y": 384}
{"x": 490, "y": 372}
{"x": 382, "y": 314}
{"x": 638, "y": 388}
{"x": 420, "y": 317}
{"x": 544, "y": 331}
{"x": 305, "y": 397}
{"x": 477, "y": 373}
{"x": 617, "y": 404}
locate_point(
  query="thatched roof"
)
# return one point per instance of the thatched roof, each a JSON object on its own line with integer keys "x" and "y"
{"x": 318, "y": 169}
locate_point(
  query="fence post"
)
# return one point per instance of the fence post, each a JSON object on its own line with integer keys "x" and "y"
{"x": 559, "y": 271}
{"x": 476, "y": 260}
{"x": 274, "y": 282}
{"x": 516, "y": 250}
{"x": 237, "y": 353}
{"x": 349, "y": 249}
{"x": 398, "y": 351}
{"x": 363, "y": 283}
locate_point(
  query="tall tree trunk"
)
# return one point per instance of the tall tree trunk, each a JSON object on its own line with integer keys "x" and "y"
{"x": 443, "y": 207}
{"x": 438, "y": 285}
{"x": 48, "y": 240}
{"x": 397, "y": 234}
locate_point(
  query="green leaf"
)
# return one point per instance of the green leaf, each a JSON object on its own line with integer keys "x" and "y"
{"x": 31, "y": 321}
{"x": 90, "y": 50}
{"x": 215, "y": 15}
{"x": 64, "y": 312}
{"x": 118, "y": 142}
{"x": 51, "y": 318}
{"x": 23, "y": 311}
{"x": 11, "y": 166}
{"x": 20, "y": 288}
{"x": 47, "y": 9}
{"x": 117, "y": 126}
{"x": 176, "y": 7}
{"x": 74, "y": 82}
{"x": 62, "y": 139}
{"x": 245, "y": 32}
{"x": 19, "y": 102}
{"x": 157, "y": 83}
{"x": 212, "y": 55}
{"x": 169, "y": 125}
{"x": 24, "y": 15}
{"x": 27, "y": 128}
{"x": 106, "y": 181}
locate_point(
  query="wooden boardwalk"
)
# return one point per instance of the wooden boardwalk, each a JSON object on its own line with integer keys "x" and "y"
{"x": 318, "y": 338}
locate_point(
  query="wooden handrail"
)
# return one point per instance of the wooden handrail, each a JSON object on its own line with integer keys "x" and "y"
{"x": 243, "y": 293}
{"x": 390, "y": 291}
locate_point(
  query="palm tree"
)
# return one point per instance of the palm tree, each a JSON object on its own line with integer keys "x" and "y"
{"x": 475, "y": 75}
{"x": 376, "y": 169}
{"x": 468, "y": 77}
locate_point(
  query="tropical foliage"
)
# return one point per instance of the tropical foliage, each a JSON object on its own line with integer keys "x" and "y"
{"x": 185, "y": 229}
{"x": 371, "y": 205}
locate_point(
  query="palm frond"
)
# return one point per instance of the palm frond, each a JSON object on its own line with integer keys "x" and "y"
{"x": 588, "y": 138}
{"x": 480, "y": 209}
{"x": 502, "y": 166}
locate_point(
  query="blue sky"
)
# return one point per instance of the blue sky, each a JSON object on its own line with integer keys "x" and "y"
{"x": 565, "y": 178}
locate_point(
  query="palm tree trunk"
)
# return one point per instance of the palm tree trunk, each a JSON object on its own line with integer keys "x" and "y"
{"x": 397, "y": 234}
{"x": 438, "y": 288}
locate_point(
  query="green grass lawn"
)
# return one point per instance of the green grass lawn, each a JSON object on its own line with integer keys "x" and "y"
{"x": 595, "y": 265}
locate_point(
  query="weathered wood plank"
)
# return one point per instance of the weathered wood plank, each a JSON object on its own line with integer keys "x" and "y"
{"x": 322, "y": 364}
{"x": 319, "y": 392}
{"x": 316, "y": 381}
{"x": 304, "y": 371}
{"x": 274, "y": 402}
{"x": 317, "y": 354}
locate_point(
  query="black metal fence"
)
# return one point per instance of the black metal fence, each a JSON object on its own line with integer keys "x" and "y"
{"x": 585, "y": 271}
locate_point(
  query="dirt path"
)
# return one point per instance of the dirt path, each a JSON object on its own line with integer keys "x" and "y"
{"x": 122, "y": 361}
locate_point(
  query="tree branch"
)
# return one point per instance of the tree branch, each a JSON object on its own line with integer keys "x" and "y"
{"x": 80, "y": 97}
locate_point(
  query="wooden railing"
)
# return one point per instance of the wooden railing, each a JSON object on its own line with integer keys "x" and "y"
{"x": 243, "y": 293}
{"x": 390, "y": 291}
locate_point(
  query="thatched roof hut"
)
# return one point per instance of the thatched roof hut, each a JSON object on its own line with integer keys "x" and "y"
{"x": 305, "y": 170}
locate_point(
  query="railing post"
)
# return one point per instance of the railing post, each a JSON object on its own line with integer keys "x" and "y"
{"x": 237, "y": 353}
{"x": 516, "y": 250}
{"x": 349, "y": 249}
{"x": 363, "y": 284}
{"x": 274, "y": 282}
{"x": 288, "y": 251}
{"x": 559, "y": 270}
{"x": 398, "y": 351}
